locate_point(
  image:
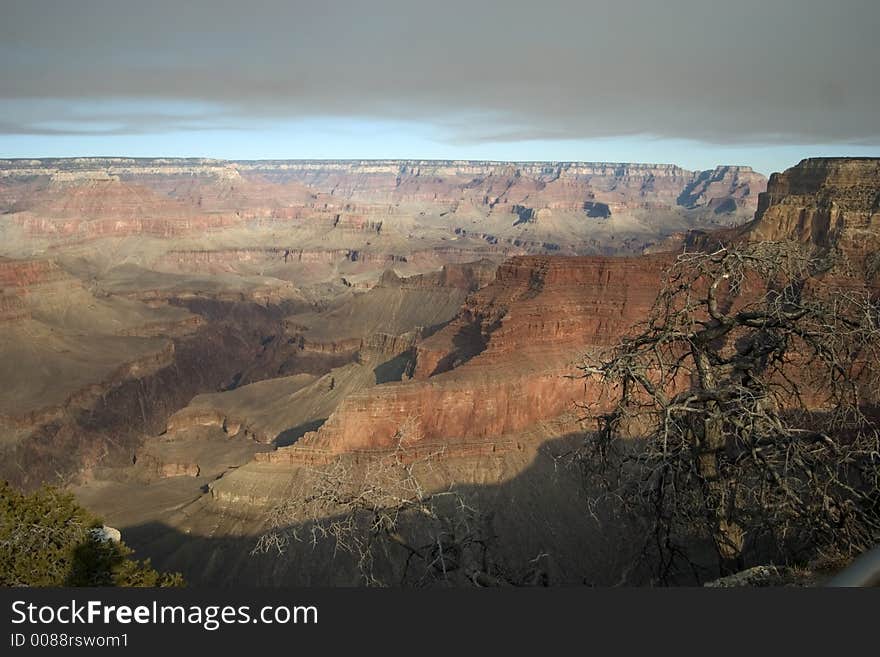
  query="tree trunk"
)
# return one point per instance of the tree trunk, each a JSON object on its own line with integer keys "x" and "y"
{"x": 720, "y": 505}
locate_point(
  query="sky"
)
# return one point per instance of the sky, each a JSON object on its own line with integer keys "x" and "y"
{"x": 752, "y": 82}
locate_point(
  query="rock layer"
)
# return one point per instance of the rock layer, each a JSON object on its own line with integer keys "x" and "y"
{"x": 537, "y": 206}
{"x": 825, "y": 202}
{"x": 505, "y": 362}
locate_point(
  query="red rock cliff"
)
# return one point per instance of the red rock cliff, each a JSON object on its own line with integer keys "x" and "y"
{"x": 504, "y": 363}
{"x": 823, "y": 201}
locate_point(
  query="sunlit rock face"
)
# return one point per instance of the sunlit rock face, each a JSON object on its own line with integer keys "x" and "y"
{"x": 537, "y": 206}
{"x": 507, "y": 359}
{"x": 823, "y": 201}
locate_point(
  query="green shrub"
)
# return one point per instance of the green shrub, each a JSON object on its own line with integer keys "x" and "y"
{"x": 46, "y": 539}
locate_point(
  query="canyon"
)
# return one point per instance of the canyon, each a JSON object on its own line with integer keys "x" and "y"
{"x": 185, "y": 342}
{"x": 117, "y": 271}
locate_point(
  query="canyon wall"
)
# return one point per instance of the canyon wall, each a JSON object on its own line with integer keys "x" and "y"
{"x": 372, "y": 333}
{"x": 505, "y": 362}
{"x": 825, "y": 202}
{"x": 507, "y": 359}
{"x": 539, "y": 206}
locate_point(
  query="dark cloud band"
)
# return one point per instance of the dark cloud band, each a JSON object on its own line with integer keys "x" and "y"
{"x": 799, "y": 71}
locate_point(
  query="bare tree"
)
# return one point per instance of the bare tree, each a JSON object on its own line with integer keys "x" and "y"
{"x": 747, "y": 407}
{"x": 376, "y": 509}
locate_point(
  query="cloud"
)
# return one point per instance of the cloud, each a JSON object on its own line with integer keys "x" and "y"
{"x": 769, "y": 71}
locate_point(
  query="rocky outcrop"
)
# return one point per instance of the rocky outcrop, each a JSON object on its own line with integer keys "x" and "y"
{"x": 372, "y": 335}
{"x": 824, "y": 202}
{"x": 91, "y": 205}
{"x": 395, "y": 306}
{"x": 505, "y": 362}
{"x": 380, "y": 343}
{"x": 178, "y": 470}
{"x": 25, "y": 273}
{"x": 425, "y": 449}
{"x": 73, "y": 230}
{"x": 12, "y": 308}
{"x": 821, "y": 202}
{"x": 448, "y": 410}
{"x": 469, "y": 276}
{"x": 21, "y": 278}
{"x": 724, "y": 189}
{"x": 540, "y": 303}
{"x": 219, "y": 259}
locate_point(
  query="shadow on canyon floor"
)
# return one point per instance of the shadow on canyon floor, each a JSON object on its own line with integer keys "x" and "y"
{"x": 539, "y": 523}
{"x": 109, "y": 429}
